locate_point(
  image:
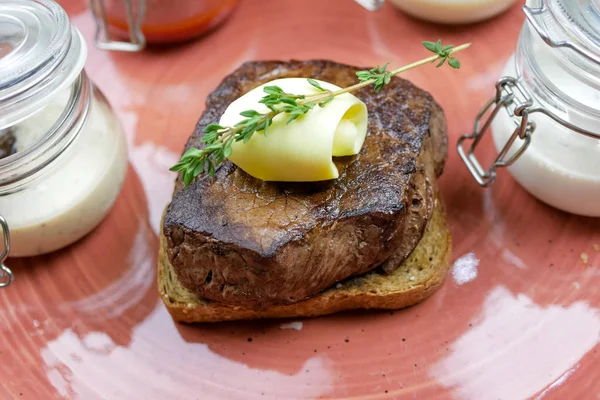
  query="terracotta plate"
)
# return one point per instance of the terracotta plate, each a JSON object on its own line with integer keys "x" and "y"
{"x": 519, "y": 316}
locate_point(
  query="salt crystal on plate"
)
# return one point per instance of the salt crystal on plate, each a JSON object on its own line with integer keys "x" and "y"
{"x": 297, "y": 325}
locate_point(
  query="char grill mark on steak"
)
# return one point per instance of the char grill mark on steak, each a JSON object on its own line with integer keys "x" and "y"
{"x": 266, "y": 243}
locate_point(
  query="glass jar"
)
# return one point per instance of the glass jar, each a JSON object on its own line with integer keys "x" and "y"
{"x": 545, "y": 117}
{"x": 69, "y": 155}
{"x": 156, "y": 21}
{"x": 163, "y": 21}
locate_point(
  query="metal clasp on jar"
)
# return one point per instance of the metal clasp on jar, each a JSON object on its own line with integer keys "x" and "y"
{"x": 509, "y": 92}
{"x": 137, "y": 40}
{"x": 6, "y": 275}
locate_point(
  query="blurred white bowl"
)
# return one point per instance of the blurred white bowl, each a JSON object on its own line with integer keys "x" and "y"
{"x": 453, "y": 11}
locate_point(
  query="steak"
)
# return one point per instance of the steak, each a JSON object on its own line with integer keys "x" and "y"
{"x": 238, "y": 240}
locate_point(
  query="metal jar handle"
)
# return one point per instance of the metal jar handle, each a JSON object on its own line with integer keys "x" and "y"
{"x": 6, "y": 275}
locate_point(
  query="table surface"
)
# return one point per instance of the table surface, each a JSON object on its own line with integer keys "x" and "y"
{"x": 518, "y": 317}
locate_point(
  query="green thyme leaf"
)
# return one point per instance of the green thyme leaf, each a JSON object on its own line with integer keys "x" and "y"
{"x": 212, "y": 128}
{"x": 325, "y": 102}
{"x": 382, "y": 69}
{"x": 316, "y": 84}
{"x": 188, "y": 177}
{"x": 199, "y": 167}
{"x": 454, "y": 63}
{"x": 180, "y": 166}
{"x": 363, "y": 75}
{"x": 228, "y": 151}
{"x": 211, "y": 168}
{"x": 430, "y": 46}
{"x": 246, "y": 138}
{"x": 250, "y": 113}
{"x": 273, "y": 90}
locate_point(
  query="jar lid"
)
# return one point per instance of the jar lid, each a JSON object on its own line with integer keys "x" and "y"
{"x": 573, "y": 24}
{"x": 584, "y": 16}
{"x": 40, "y": 54}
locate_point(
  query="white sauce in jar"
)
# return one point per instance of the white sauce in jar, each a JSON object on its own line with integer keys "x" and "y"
{"x": 453, "y": 11}
{"x": 560, "y": 167}
{"x": 78, "y": 189}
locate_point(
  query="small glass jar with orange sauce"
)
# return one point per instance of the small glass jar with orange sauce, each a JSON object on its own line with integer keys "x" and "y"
{"x": 155, "y": 21}
{"x": 137, "y": 22}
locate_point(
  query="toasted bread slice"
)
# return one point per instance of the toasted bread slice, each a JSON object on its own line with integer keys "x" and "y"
{"x": 417, "y": 279}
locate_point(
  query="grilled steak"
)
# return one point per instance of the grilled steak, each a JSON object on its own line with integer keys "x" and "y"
{"x": 238, "y": 240}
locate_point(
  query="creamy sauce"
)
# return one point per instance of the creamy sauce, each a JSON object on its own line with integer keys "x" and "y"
{"x": 69, "y": 199}
{"x": 453, "y": 11}
{"x": 560, "y": 167}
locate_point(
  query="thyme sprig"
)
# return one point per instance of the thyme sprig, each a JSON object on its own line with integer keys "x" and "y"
{"x": 218, "y": 140}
